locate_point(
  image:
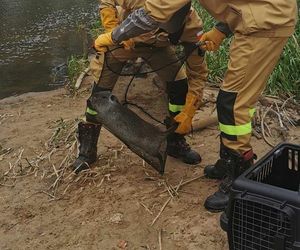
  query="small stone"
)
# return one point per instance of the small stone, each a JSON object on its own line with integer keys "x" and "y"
{"x": 116, "y": 218}
{"x": 122, "y": 244}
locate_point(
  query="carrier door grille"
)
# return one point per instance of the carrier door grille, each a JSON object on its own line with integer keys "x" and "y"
{"x": 259, "y": 227}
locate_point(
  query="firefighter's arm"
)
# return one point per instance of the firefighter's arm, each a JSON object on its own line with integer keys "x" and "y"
{"x": 137, "y": 23}
{"x": 108, "y": 14}
{"x": 146, "y": 19}
{"x": 162, "y": 10}
{"x": 110, "y": 20}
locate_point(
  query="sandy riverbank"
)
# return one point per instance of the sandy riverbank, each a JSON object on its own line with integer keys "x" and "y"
{"x": 113, "y": 204}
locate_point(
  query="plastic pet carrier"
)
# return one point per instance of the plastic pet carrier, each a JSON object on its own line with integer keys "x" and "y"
{"x": 264, "y": 208}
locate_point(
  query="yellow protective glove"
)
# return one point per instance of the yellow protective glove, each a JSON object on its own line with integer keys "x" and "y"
{"x": 103, "y": 41}
{"x": 185, "y": 117}
{"x": 212, "y": 39}
{"x": 109, "y": 18}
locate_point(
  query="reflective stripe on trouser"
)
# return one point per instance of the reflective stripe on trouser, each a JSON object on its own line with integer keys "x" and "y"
{"x": 252, "y": 59}
{"x": 177, "y": 91}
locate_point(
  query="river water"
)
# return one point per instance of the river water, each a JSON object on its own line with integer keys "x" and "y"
{"x": 36, "y": 39}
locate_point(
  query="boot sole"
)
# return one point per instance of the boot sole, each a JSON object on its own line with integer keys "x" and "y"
{"x": 214, "y": 210}
{"x": 213, "y": 177}
{"x": 83, "y": 166}
{"x": 224, "y": 222}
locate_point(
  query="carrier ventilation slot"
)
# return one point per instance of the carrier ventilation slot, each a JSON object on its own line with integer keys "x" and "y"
{"x": 265, "y": 171}
{"x": 293, "y": 160}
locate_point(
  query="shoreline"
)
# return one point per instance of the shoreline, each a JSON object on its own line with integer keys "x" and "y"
{"x": 18, "y": 98}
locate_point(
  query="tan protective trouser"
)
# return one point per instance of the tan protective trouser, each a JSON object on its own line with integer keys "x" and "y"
{"x": 252, "y": 60}
{"x": 163, "y": 60}
{"x": 106, "y": 67}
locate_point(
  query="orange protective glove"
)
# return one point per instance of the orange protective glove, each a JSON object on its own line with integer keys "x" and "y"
{"x": 109, "y": 18}
{"x": 128, "y": 45}
{"x": 185, "y": 117}
{"x": 103, "y": 41}
{"x": 212, "y": 39}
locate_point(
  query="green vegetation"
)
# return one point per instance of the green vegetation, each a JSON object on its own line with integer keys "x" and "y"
{"x": 76, "y": 65}
{"x": 286, "y": 76}
{"x": 285, "y": 79}
{"x": 96, "y": 29}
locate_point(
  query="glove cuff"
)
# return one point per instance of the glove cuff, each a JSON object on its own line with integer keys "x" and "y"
{"x": 191, "y": 104}
{"x": 224, "y": 28}
{"x": 219, "y": 36}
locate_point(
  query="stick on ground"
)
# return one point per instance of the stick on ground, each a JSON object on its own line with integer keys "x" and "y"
{"x": 184, "y": 183}
{"x": 165, "y": 205}
{"x": 146, "y": 208}
{"x": 160, "y": 239}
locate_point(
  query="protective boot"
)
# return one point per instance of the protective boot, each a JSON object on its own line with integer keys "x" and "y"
{"x": 87, "y": 137}
{"x": 177, "y": 147}
{"x": 235, "y": 164}
{"x": 218, "y": 170}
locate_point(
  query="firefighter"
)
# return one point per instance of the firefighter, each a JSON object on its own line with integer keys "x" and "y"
{"x": 260, "y": 31}
{"x": 184, "y": 84}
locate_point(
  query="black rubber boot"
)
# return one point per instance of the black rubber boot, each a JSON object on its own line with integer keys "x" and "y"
{"x": 87, "y": 137}
{"x": 178, "y": 148}
{"x": 235, "y": 164}
{"x": 218, "y": 170}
